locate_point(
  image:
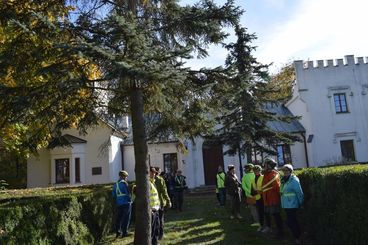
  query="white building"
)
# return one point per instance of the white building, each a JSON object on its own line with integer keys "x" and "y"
{"x": 93, "y": 158}
{"x": 332, "y": 100}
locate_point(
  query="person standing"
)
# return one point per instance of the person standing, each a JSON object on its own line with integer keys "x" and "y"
{"x": 292, "y": 198}
{"x": 179, "y": 187}
{"x": 248, "y": 185}
{"x": 120, "y": 193}
{"x": 165, "y": 202}
{"x": 259, "y": 201}
{"x": 220, "y": 185}
{"x": 155, "y": 207}
{"x": 271, "y": 197}
{"x": 232, "y": 185}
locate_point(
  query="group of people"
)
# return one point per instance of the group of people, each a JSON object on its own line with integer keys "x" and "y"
{"x": 159, "y": 201}
{"x": 266, "y": 192}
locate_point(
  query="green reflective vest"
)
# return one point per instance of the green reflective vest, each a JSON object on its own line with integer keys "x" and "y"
{"x": 220, "y": 180}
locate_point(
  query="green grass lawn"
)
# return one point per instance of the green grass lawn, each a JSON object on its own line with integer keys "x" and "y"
{"x": 204, "y": 222}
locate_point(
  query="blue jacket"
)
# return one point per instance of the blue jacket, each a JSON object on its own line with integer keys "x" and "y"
{"x": 120, "y": 193}
{"x": 291, "y": 192}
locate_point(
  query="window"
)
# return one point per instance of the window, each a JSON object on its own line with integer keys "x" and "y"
{"x": 340, "y": 103}
{"x": 170, "y": 162}
{"x": 347, "y": 150}
{"x": 62, "y": 171}
{"x": 97, "y": 171}
{"x": 283, "y": 154}
{"x": 77, "y": 170}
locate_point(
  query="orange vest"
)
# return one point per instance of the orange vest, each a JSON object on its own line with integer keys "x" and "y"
{"x": 271, "y": 188}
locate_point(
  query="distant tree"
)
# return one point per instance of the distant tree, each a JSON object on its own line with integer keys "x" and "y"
{"x": 281, "y": 84}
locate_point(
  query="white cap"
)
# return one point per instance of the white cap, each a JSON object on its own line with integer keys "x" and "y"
{"x": 288, "y": 166}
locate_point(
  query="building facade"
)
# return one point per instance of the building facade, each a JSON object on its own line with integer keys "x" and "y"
{"x": 332, "y": 99}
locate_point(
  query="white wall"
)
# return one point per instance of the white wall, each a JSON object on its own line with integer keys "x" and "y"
{"x": 156, "y": 152}
{"x": 38, "y": 170}
{"x": 315, "y": 87}
{"x": 115, "y": 158}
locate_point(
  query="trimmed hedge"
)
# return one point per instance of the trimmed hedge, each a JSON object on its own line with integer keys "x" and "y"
{"x": 59, "y": 216}
{"x": 336, "y": 204}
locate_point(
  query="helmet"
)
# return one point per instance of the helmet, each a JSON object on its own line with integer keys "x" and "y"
{"x": 288, "y": 166}
{"x": 271, "y": 162}
{"x": 123, "y": 173}
{"x": 248, "y": 166}
{"x": 257, "y": 168}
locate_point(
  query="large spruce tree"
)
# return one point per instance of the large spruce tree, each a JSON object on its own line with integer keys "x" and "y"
{"x": 244, "y": 118}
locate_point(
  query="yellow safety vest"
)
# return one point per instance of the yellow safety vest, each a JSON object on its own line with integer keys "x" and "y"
{"x": 220, "y": 177}
{"x": 154, "y": 199}
{"x": 258, "y": 186}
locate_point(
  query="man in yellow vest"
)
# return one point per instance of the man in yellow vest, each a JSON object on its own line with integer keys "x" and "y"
{"x": 248, "y": 184}
{"x": 220, "y": 185}
{"x": 164, "y": 199}
{"x": 155, "y": 207}
{"x": 120, "y": 193}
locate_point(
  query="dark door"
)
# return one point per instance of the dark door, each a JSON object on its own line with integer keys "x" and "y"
{"x": 347, "y": 150}
{"x": 212, "y": 158}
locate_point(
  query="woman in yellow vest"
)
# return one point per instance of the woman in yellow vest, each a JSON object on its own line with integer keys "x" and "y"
{"x": 259, "y": 201}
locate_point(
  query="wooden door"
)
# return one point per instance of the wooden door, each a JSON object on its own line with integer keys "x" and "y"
{"x": 212, "y": 158}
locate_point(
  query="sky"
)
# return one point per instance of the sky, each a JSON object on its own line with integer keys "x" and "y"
{"x": 289, "y": 30}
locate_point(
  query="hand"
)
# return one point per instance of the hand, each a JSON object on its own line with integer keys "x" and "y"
{"x": 168, "y": 205}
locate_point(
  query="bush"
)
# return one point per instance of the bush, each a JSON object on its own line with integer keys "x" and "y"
{"x": 336, "y": 204}
{"x": 82, "y": 217}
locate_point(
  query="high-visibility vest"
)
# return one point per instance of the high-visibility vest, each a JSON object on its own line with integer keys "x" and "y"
{"x": 118, "y": 191}
{"x": 258, "y": 186}
{"x": 154, "y": 198}
{"x": 220, "y": 178}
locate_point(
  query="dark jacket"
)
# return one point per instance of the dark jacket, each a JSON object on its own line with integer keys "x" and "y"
{"x": 232, "y": 184}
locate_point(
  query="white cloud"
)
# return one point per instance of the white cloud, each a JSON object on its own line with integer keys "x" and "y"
{"x": 319, "y": 29}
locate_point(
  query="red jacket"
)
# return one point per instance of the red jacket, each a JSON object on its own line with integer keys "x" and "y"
{"x": 271, "y": 188}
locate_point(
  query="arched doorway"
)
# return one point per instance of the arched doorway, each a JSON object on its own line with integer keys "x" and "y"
{"x": 212, "y": 158}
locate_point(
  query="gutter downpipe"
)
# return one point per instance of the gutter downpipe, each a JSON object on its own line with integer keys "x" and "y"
{"x": 305, "y": 149}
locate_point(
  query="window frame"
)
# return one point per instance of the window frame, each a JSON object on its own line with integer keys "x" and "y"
{"x": 339, "y": 108}
{"x": 173, "y": 166}
{"x": 65, "y": 178}
{"x": 286, "y": 154}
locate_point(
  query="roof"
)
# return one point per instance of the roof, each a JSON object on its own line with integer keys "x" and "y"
{"x": 294, "y": 126}
{"x": 72, "y": 139}
{"x": 66, "y": 140}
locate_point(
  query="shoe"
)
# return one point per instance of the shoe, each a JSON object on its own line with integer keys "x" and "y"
{"x": 117, "y": 235}
{"x": 259, "y": 228}
{"x": 266, "y": 229}
{"x": 126, "y": 235}
{"x": 239, "y": 216}
{"x": 297, "y": 242}
{"x": 231, "y": 217}
{"x": 255, "y": 224}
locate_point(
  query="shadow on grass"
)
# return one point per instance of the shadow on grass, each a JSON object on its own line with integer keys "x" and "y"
{"x": 204, "y": 222}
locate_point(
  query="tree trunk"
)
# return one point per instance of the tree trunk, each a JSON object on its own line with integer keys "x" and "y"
{"x": 142, "y": 234}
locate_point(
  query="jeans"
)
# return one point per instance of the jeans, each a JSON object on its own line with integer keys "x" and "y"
{"x": 222, "y": 196}
{"x": 123, "y": 219}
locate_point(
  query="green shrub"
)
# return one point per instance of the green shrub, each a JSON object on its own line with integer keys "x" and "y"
{"x": 336, "y": 204}
{"x": 80, "y": 217}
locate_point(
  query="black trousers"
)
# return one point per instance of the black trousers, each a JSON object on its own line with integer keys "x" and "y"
{"x": 278, "y": 221}
{"x": 161, "y": 218}
{"x": 260, "y": 210}
{"x": 155, "y": 227}
{"x": 292, "y": 222}
{"x": 179, "y": 199}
